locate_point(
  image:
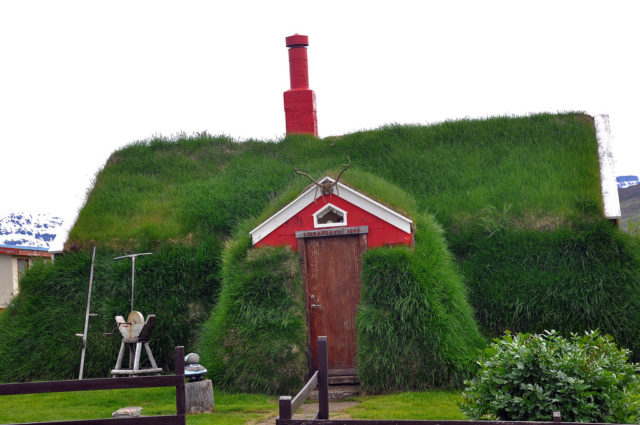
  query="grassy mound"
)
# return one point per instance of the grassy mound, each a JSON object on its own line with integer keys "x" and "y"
{"x": 416, "y": 329}
{"x": 255, "y": 340}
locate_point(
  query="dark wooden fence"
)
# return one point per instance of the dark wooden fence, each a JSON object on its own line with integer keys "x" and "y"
{"x": 288, "y": 406}
{"x": 176, "y": 380}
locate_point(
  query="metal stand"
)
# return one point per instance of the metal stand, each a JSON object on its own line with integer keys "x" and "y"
{"x": 135, "y": 351}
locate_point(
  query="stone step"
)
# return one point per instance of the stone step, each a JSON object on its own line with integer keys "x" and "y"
{"x": 344, "y": 380}
{"x": 338, "y": 392}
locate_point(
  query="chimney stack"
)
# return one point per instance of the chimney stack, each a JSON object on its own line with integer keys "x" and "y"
{"x": 299, "y": 101}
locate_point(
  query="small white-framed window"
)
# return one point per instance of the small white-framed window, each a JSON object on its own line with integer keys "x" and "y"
{"x": 329, "y": 216}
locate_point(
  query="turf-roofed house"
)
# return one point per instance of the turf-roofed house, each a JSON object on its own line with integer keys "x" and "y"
{"x": 331, "y": 232}
{"x": 432, "y": 240}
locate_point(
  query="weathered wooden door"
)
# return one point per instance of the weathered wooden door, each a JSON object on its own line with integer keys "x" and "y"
{"x": 332, "y": 267}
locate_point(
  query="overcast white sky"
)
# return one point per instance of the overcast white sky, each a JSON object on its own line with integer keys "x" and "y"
{"x": 80, "y": 79}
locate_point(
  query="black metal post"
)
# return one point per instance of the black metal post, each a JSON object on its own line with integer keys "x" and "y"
{"x": 323, "y": 378}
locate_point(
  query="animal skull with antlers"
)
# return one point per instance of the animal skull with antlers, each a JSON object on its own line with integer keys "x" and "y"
{"x": 326, "y": 188}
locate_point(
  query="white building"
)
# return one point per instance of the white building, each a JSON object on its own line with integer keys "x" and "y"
{"x": 13, "y": 261}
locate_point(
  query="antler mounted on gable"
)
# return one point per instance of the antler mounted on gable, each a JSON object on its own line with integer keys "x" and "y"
{"x": 327, "y": 187}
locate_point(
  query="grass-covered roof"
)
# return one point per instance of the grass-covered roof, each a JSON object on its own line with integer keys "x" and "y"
{"x": 544, "y": 168}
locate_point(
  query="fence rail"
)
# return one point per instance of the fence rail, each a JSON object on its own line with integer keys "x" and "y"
{"x": 287, "y": 406}
{"x": 176, "y": 380}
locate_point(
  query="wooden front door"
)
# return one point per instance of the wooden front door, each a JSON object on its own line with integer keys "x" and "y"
{"x": 332, "y": 268}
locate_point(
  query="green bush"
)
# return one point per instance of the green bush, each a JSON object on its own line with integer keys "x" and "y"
{"x": 526, "y": 377}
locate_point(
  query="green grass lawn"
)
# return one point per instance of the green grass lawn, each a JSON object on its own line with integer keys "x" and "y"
{"x": 231, "y": 409}
{"x": 442, "y": 405}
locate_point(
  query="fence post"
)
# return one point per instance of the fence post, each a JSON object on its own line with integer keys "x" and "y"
{"x": 180, "y": 400}
{"x": 323, "y": 378}
{"x": 284, "y": 407}
{"x": 557, "y": 417}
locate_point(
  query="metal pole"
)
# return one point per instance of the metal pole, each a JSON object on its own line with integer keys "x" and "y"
{"x": 133, "y": 278}
{"x": 133, "y": 270}
{"x": 86, "y": 315}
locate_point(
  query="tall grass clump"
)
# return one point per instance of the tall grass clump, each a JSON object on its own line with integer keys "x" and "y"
{"x": 415, "y": 327}
{"x": 255, "y": 340}
{"x": 37, "y": 331}
{"x": 571, "y": 279}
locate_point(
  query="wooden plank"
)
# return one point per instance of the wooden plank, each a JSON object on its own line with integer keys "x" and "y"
{"x": 135, "y": 371}
{"x": 323, "y": 384}
{"x": 343, "y": 372}
{"x": 90, "y": 384}
{"x": 284, "y": 407}
{"x": 337, "y": 231}
{"x": 416, "y": 422}
{"x": 138, "y": 420}
{"x": 304, "y": 393}
{"x": 180, "y": 391}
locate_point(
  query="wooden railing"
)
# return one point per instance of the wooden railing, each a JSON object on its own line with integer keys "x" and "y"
{"x": 320, "y": 378}
{"x": 176, "y": 380}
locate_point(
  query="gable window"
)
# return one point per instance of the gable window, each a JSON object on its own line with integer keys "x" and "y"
{"x": 330, "y": 216}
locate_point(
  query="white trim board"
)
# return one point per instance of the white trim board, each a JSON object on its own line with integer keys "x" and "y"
{"x": 608, "y": 182}
{"x": 345, "y": 192}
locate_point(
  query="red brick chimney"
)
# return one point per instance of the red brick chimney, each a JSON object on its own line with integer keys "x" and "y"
{"x": 300, "y": 101}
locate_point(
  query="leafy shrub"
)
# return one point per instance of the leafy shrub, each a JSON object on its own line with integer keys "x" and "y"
{"x": 527, "y": 377}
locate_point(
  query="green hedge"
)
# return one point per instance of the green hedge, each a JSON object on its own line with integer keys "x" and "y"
{"x": 37, "y": 341}
{"x": 416, "y": 329}
{"x": 255, "y": 340}
{"x": 570, "y": 280}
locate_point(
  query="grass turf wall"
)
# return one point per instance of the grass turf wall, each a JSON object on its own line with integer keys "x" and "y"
{"x": 255, "y": 340}
{"x": 37, "y": 330}
{"x": 571, "y": 280}
{"x": 416, "y": 329}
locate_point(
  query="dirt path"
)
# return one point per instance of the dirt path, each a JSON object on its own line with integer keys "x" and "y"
{"x": 309, "y": 410}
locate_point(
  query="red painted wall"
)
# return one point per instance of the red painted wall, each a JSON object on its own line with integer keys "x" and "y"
{"x": 24, "y": 252}
{"x": 380, "y": 233}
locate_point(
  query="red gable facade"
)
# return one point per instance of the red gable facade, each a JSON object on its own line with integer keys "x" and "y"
{"x": 344, "y": 211}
